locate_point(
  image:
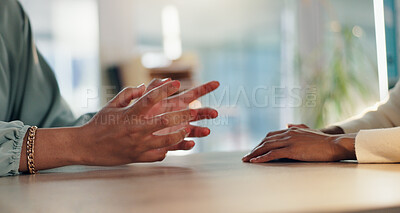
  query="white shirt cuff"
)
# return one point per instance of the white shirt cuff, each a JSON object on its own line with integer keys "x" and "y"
{"x": 378, "y": 145}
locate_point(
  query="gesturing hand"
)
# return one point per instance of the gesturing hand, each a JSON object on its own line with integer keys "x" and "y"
{"x": 304, "y": 145}
{"x": 182, "y": 101}
{"x": 122, "y": 133}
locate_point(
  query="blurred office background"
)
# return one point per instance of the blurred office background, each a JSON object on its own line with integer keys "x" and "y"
{"x": 278, "y": 61}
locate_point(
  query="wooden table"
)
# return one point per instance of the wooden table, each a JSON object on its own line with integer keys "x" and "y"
{"x": 209, "y": 182}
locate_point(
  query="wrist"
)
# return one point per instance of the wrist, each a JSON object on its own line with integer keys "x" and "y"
{"x": 74, "y": 147}
{"x": 83, "y": 151}
{"x": 345, "y": 148}
{"x": 54, "y": 147}
{"x": 77, "y": 146}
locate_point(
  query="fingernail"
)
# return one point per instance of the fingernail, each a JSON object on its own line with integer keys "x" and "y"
{"x": 187, "y": 130}
{"x": 253, "y": 160}
{"x": 216, "y": 83}
{"x": 215, "y": 114}
{"x": 206, "y": 131}
{"x": 190, "y": 145}
{"x": 176, "y": 84}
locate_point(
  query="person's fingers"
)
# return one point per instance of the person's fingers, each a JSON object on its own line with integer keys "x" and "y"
{"x": 198, "y": 131}
{"x": 124, "y": 98}
{"x": 301, "y": 126}
{"x": 188, "y": 96}
{"x": 206, "y": 113}
{"x": 272, "y": 155}
{"x": 265, "y": 147}
{"x": 160, "y": 154}
{"x": 152, "y": 155}
{"x": 169, "y": 119}
{"x": 156, "y": 83}
{"x": 270, "y": 134}
{"x": 147, "y": 101}
{"x": 184, "y": 145}
{"x": 164, "y": 141}
{"x": 274, "y": 136}
{"x": 176, "y": 118}
{"x": 284, "y": 134}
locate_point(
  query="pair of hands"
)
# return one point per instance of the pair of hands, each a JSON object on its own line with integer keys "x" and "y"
{"x": 145, "y": 130}
{"x": 299, "y": 142}
{"x": 157, "y": 123}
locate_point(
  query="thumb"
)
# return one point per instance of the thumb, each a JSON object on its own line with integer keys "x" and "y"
{"x": 124, "y": 98}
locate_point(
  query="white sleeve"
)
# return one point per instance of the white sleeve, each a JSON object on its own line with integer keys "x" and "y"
{"x": 378, "y": 145}
{"x": 387, "y": 115}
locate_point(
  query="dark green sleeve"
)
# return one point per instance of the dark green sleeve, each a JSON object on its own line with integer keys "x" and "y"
{"x": 34, "y": 96}
{"x": 29, "y": 93}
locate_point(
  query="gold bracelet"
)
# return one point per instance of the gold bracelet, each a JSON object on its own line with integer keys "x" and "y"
{"x": 30, "y": 149}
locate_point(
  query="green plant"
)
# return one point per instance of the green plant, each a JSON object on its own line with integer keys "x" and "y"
{"x": 346, "y": 83}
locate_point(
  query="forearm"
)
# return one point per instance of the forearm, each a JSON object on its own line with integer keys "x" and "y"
{"x": 54, "y": 147}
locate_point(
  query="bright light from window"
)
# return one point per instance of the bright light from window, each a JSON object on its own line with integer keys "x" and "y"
{"x": 171, "y": 33}
{"x": 381, "y": 48}
{"x": 153, "y": 60}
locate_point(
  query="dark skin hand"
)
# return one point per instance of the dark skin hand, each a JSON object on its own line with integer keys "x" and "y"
{"x": 304, "y": 144}
{"x": 182, "y": 101}
{"x": 177, "y": 103}
{"x": 331, "y": 130}
{"x": 120, "y": 133}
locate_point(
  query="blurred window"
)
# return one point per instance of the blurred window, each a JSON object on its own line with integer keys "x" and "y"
{"x": 277, "y": 61}
{"x": 66, "y": 33}
{"x": 310, "y": 62}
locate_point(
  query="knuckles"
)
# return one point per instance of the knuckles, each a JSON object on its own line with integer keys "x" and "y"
{"x": 270, "y": 134}
{"x": 151, "y": 99}
{"x": 183, "y": 134}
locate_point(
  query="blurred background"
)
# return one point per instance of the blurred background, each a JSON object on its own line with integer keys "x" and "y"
{"x": 278, "y": 61}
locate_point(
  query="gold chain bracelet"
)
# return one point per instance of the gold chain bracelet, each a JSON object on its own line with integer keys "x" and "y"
{"x": 30, "y": 149}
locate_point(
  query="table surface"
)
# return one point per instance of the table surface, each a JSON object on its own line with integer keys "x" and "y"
{"x": 208, "y": 182}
